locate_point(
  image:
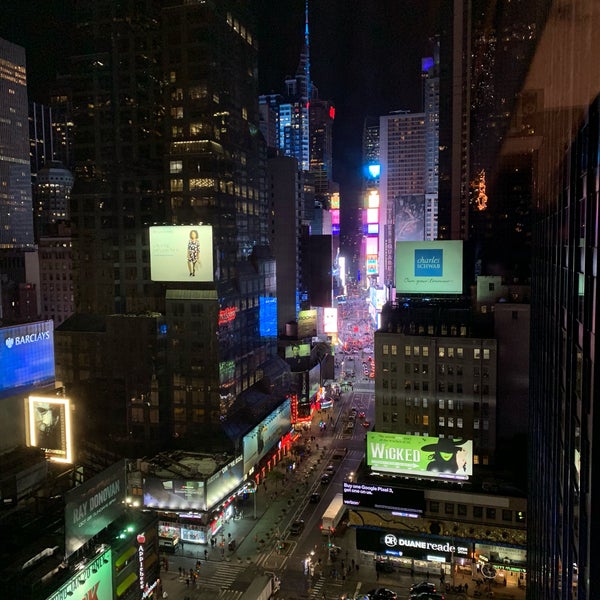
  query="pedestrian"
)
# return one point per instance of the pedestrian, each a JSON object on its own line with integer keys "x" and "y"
{"x": 466, "y": 587}
{"x": 353, "y": 563}
{"x": 187, "y": 582}
{"x": 357, "y": 568}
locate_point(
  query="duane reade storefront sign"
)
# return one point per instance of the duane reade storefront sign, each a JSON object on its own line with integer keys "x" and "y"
{"x": 422, "y": 548}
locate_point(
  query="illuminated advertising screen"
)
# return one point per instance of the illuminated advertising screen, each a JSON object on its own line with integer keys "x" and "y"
{"x": 307, "y": 323}
{"x": 268, "y": 316}
{"x": 335, "y": 201}
{"x": 372, "y": 215}
{"x": 372, "y": 264}
{"x": 181, "y": 253}
{"x": 93, "y": 582}
{"x": 410, "y": 218}
{"x": 429, "y": 267}
{"x": 94, "y": 505}
{"x": 383, "y": 497}
{"x": 49, "y": 427}
{"x": 423, "y": 547}
{"x": 448, "y": 458}
{"x": 266, "y": 435}
{"x": 26, "y": 356}
{"x": 174, "y": 494}
{"x": 297, "y": 350}
{"x": 373, "y": 199}
{"x": 371, "y": 246}
{"x": 335, "y": 216}
{"x": 372, "y": 228}
{"x": 330, "y": 322}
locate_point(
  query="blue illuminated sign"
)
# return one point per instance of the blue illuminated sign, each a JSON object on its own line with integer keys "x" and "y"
{"x": 268, "y": 316}
{"x": 429, "y": 263}
{"x": 374, "y": 170}
{"x": 372, "y": 228}
{"x": 335, "y": 230}
{"x": 26, "y": 356}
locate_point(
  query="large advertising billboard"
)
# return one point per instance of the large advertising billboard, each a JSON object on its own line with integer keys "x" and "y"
{"x": 174, "y": 494}
{"x": 448, "y": 458}
{"x": 409, "y": 213}
{"x": 423, "y": 547}
{"x": 383, "y": 497}
{"x": 298, "y": 356}
{"x": 181, "y": 253}
{"x": 307, "y": 323}
{"x": 266, "y": 435}
{"x": 94, "y": 505}
{"x": 330, "y": 320}
{"x": 49, "y": 427}
{"x": 429, "y": 267}
{"x": 26, "y": 356}
{"x": 93, "y": 582}
{"x": 268, "y": 316}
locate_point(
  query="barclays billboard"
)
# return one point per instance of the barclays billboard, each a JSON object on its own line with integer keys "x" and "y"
{"x": 26, "y": 356}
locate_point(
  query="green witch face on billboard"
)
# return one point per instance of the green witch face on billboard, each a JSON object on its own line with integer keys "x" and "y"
{"x": 450, "y": 458}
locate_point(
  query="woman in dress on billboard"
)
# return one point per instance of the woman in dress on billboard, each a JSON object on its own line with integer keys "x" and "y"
{"x": 193, "y": 251}
{"x": 448, "y": 456}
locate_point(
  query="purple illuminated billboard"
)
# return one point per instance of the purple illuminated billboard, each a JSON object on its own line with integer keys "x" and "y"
{"x": 26, "y": 356}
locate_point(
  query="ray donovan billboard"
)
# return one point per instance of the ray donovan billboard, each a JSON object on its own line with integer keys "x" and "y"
{"x": 94, "y": 505}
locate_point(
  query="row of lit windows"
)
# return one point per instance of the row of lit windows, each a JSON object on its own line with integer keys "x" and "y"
{"x": 477, "y": 512}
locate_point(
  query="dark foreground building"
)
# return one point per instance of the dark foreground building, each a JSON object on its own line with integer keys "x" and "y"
{"x": 563, "y": 513}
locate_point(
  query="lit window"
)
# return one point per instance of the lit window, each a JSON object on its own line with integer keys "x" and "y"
{"x": 394, "y": 350}
{"x": 486, "y": 354}
{"x": 416, "y": 351}
{"x": 459, "y": 352}
{"x": 441, "y": 352}
{"x": 176, "y": 166}
{"x": 386, "y": 349}
{"x": 459, "y": 422}
{"x": 450, "y": 352}
{"x": 476, "y": 353}
{"x": 441, "y": 421}
{"x": 406, "y": 350}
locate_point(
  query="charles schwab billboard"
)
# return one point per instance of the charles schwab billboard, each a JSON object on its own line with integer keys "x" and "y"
{"x": 448, "y": 458}
{"x": 429, "y": 267}
{"x": 94, "y": 505}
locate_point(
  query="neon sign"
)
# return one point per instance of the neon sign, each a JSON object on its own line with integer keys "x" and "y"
{"x": 227, "y": 315}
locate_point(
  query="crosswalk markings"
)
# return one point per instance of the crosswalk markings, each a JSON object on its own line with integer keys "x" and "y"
{"x": 224, "y": 575}
{"x": 230, "y": 595}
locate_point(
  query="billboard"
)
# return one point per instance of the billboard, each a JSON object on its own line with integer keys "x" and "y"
{"x": 298, "y": 356}
{"x": 383, "y": 497}
{"x": 174, "y": 494}
{"x": 181, "y": 253}
{"x": 448, "y": 458}
{"x": 26, "y": 356}
{"x": 423, "y": 547}
{"x": 93, "y": 581}
{"x": 266, "y": 434}
{"x": 268, "y": 316}
{"x": 429, "y": 267}
{"x": 409, "y": 221}
{"x": 330, "y": 321}
{"x": 49, "y": 427}
{"x": 93, "y": 506}
{"x": 307, "y": 323}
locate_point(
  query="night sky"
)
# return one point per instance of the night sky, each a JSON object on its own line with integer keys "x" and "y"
{"x": 365, "y": 57}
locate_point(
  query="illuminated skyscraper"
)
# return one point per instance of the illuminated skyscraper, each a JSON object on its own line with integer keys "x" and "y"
{"x": 16, "y": 215}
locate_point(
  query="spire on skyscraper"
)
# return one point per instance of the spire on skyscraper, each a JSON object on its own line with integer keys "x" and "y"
{"x": 303, "y": 72}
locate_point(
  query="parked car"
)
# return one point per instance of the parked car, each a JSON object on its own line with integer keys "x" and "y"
{"x": 382, "y": 594}
{"x": 325, "y": 478}
{"x": 423, "y": 586}
{"x": 315, "y": 497}
{"x": 297, "y": 527}
{"x": 330, "y": 469}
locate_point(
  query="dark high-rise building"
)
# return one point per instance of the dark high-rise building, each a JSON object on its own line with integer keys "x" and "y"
{"x": 16, "y": 216}
{"x": 115, "y": 86}
{"x": 564, "y": 529}
{"x": 164, "y": 101}
{"x": 321, "y": 115}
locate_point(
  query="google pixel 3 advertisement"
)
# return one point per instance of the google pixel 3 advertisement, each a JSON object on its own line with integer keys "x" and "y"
{"x": 26, "y": 356}
{"x": 429, "y": 267}
{"x": 181, "y": 253}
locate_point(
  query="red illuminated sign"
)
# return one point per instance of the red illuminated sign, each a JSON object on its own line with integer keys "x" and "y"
{"x": 332, "y": 112}
{"x": 226, "y": 315}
